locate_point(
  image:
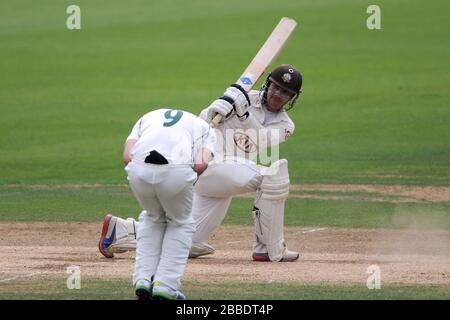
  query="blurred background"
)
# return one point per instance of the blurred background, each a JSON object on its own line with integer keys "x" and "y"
{"x": 375, "y": 107}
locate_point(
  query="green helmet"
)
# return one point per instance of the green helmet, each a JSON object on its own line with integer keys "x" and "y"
{"x": 286, "y": 77}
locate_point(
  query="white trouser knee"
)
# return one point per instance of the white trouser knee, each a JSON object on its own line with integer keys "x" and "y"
{"x": 215, "y": 189}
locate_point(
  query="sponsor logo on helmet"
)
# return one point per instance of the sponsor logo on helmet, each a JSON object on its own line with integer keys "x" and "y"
{"x": 286, "y": 77}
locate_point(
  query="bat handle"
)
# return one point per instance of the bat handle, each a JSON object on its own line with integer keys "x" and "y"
{"x": 216, "y": 120}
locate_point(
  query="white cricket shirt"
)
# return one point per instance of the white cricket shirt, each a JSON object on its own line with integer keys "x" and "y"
{"x": 175, "y": 134}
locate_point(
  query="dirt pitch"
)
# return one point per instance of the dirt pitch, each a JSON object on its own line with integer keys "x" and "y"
{"x": 328, "y": 255}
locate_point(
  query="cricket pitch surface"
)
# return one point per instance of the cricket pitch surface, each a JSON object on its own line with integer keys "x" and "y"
{"x": 328, "y": 255}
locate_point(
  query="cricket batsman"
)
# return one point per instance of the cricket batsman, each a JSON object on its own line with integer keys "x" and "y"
{"x": 252, "y": 123}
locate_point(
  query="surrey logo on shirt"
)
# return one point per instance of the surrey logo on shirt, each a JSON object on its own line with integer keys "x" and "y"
{"x": 244, "y": 142}
{"x": 260, "y": 145}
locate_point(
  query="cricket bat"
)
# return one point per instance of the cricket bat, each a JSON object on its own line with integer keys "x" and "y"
{"x": 264, "y": 58}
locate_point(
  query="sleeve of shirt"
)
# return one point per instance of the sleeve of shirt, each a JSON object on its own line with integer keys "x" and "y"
{"x": 136, "y": 131}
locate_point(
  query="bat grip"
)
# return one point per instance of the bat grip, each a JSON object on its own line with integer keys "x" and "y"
{"x": 216, "y": 120}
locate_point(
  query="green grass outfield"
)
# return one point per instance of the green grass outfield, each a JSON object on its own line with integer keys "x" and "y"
{"x": 89, "y": 203}
{"x": 375, "y": 108}
{"x": 91, "y": 288}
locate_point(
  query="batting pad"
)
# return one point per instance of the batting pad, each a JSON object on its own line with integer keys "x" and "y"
{"x": 268, "y": 210}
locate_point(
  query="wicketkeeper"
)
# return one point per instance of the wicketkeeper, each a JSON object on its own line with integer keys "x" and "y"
{"x": 164, "y": 154}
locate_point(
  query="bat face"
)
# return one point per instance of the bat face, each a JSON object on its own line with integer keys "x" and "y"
{"x": 264, "y": 58}
{"x": 268, "y": 53}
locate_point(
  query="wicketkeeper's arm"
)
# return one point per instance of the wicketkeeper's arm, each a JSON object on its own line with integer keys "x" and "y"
{"x": 129, "y": 144}
{"x": 203, "y": 157}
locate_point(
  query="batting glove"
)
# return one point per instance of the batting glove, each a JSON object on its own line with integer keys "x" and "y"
{"x": 240, "y": 100}
{"x": 219, "y": 106}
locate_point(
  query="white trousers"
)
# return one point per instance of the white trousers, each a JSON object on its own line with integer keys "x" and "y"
{"x": 215, "y": 189}
{"x": 166, "y": 227}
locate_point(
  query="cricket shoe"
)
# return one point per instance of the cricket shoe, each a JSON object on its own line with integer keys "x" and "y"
{"x": 143, "y": 289}
{"x": 164, "y": 292}
{"x": 288, "y": 256}
{"x": 200, "y": 249}
{"x": 108, "y": 235}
